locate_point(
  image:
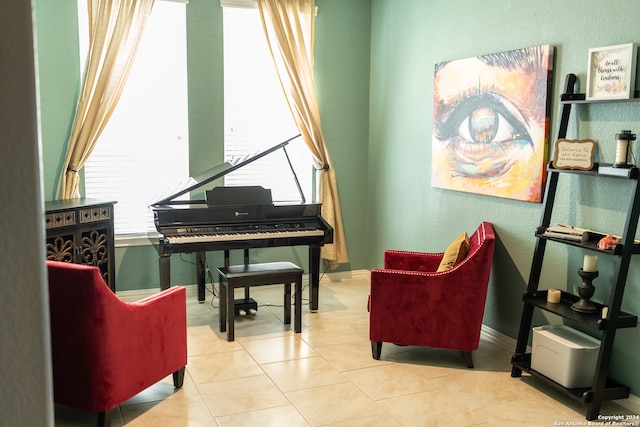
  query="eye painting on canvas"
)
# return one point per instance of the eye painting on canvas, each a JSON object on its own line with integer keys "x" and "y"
{"x": 491, "y": 123}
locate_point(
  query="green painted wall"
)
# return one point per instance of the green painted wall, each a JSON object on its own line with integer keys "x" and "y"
{"x": 408, "y": 38}
{"x": 342, "y": 81}
{"x": 59, "y": 83}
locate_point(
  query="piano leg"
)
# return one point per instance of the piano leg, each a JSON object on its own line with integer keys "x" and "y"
{"x": 314, "y": 277}
{"x": 165, "y": 271}
{"x": 201, "y": 271}
{"x": 223, "y": 306}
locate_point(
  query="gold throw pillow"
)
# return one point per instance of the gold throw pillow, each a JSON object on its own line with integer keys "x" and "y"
{"x": 456, "y": 252}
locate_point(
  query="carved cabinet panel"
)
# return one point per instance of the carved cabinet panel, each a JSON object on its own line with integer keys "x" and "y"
{"x": 81, "y": 231}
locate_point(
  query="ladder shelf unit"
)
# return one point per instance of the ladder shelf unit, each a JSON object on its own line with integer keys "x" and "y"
{"x": 603, "y": 388}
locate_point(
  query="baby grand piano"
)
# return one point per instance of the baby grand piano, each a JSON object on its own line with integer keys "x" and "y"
{"x": 237, "y": 218}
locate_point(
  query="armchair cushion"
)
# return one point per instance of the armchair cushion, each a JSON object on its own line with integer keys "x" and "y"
{"x": 456, "y": 252}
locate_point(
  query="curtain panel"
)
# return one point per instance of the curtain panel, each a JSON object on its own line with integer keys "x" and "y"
{"x": 115, "y": 30}
{"x": 289, "y": 27}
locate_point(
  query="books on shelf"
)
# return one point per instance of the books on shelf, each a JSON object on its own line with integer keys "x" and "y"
{"x": 613, "y": 171}
{"x": 571, "y": 233}
{"x": 580, "y": 235}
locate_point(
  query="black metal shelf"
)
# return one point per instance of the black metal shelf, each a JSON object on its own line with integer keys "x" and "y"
{"x": 581, "y": 98}
{"x": 602, "y": 387}
{"x": 601, "y": 169}
{"x": 591, "y": 244}
{"x": 617, "y": 249}
{"x": 563, "y": 308}
{"x": 612, "y": 389}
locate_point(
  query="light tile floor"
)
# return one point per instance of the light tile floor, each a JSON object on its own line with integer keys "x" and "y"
{"x": 270, "y": 376}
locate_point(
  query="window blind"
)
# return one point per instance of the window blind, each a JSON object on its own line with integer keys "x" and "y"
{"x": 143, "y": 151}
{"x": 256, "y": 112}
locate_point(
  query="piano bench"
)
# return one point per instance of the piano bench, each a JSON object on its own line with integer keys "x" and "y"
{"x": 247, "y": 275}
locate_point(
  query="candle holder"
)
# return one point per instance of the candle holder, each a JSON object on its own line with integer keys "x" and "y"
{"x": 585, "y": 290}
{"x": 623, "y": 149}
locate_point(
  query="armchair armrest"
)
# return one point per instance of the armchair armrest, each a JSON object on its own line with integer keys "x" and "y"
{"x": 158, "y": 319}
{"x": 429, "y": 309}
{"x": 160, "y": 296}
{"x": 151, "y": 334}
{"x": 446, "y": 286}
{"x": 412, "y": 261}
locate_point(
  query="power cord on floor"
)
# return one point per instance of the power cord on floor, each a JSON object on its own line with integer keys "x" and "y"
{"x": 211, "y": 281}
{"x": 209, "y": 284}
{"x": 319, "y": 280}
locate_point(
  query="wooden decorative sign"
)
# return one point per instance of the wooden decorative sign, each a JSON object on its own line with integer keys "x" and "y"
{"x": 574, "y": 154}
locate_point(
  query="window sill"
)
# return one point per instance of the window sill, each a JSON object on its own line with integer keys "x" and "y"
{"x": 126, "y": 240}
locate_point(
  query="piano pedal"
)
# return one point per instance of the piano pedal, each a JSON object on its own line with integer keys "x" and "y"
{"x": 243, "y": 306}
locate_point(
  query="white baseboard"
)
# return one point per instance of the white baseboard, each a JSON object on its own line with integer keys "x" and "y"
{"x": 498, "y": 338}
{"x": 347, "y": 275}
{"x": 136, "y": 294}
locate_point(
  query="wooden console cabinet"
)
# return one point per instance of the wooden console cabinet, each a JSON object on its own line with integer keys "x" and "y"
{"x": 81, "y": 231}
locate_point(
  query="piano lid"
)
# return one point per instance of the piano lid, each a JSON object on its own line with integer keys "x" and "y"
{"x": 216, "y": 172}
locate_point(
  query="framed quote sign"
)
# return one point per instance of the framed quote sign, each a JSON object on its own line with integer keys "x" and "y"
{"x": 574, "y": 154}
{"x": 612, "y": 72}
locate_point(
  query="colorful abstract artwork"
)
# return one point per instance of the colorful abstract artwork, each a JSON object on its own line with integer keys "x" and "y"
{"x": 491, "y": 123}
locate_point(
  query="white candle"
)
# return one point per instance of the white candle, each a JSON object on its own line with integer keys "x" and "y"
{"x": 621, "y": 152}
{"x": 590, "y": 263}
{"x": 553, "y": 295}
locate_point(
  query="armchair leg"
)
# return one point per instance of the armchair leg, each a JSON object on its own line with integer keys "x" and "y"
{"x": 376, "y": 349}
{"x": 178, "y": 377}
{"x": 104, "y": 418}
{"x": 467, "y": 358}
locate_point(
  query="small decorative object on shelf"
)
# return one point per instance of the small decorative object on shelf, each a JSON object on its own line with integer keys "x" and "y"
{"x": 554, "y": 296}
{"x": 585, "y": 290}
{"x": 612, "y": 72}
{"x": 590, "y": 263}
{"x": 570, "y": 233}
{"x": 623, "y": 149}
{"x": 574, "y": 154}
{"x": 608, "y": 242}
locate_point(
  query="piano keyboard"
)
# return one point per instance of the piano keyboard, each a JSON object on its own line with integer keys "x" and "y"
{"x": 194, "y": 237}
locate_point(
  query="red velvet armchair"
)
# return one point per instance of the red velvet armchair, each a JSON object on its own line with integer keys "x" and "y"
{"x": 105, "y": 350}
{"x": 412, "y": 304}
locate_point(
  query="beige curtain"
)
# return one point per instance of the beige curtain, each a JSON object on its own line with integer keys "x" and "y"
{"x": 289, "y": 26}
{"x": 115, "y": 29}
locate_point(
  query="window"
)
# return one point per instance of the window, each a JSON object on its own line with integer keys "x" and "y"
{"x": 256, "y": 112}
{"x": 143, "y": 150}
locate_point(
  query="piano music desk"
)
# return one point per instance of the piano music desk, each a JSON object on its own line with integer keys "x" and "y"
{"x": 246, "y": 275}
